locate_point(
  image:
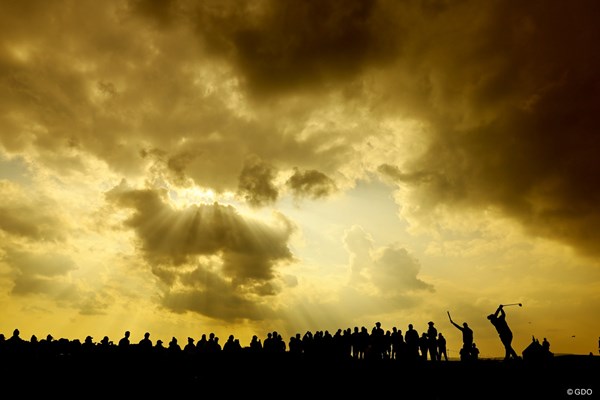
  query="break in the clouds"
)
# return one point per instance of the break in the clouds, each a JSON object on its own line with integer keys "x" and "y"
{"x": 213, "y": 260}
{"x": 250, "y": 249}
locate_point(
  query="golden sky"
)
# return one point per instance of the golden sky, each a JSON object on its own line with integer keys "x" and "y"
{"x": 186, "y": 167}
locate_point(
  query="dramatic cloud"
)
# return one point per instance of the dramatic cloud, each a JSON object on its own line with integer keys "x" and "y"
{"x": 256, "y": 183}
{"x": 295, "y": 45}
{"x": 511, "y": 102}
{"x": 391, "y": 269}
{"x": 218, "y": 112}
{"x": 209, "y": 294}
{"x": 311, "y": 183}
{"x": 249, "y": 249}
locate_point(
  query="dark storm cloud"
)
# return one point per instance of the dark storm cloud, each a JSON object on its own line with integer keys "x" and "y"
{"x": 135, "y": 81}
{"x": 256, "y": 182}
{"x": 511, "y": 99}
{"x": 281, "y": 46}
{"x": 310, "y": 183}
{"x": 249, "y": 250}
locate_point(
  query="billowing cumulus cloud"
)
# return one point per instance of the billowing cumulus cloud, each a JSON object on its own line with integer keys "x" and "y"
{"x": 391, "y": 269}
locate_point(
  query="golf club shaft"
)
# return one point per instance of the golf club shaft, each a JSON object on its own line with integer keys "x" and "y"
{"x": 512, "y": 304}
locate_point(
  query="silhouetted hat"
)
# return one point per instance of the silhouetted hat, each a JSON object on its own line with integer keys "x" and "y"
{"x": 430, "y": 322}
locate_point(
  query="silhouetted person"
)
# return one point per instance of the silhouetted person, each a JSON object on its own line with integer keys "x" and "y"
{"x": 441, "y": 343}
{"x": 377, "y": 341}
{"x": 397, "y": 344}
{"x": 498, "y": 319}
{"x": 213, "y": 346}
{"x": 105, "y": 342}
{"x": 255, "y": 344}
{"x": 174, "y": 347}
{"x": 47, "y": 344}
{"x": 190, "y": 347}
{"x": 360, "y": 342}
{"x": 295, "y": 345}
{"x": 15, "y": 343}
{"x": 423, "y": 345}
{"x": 145, "y": 344}
{"x": 546, "y": 345}
{"x": 411, "y": 337}
{"x": 231, "y": 345}
{"x": 432, "y": 334}
{"x": 474, "y": 352}
{"x": 15, "y": 338}
{"x": 467, "y": 337}
{"x": 124, "y": 342}
{"x": 88, "y": 345}
{"x": 202, "y": 344}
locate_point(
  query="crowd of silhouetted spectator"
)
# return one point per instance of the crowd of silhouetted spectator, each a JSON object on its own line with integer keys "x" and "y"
{"x": 344, "y": 344}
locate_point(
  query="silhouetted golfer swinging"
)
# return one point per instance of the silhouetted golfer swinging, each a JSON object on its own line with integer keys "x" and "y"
{"x": 498, "y": 319}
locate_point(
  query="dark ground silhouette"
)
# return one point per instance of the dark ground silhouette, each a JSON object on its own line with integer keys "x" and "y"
{"x": 315, "y": 365}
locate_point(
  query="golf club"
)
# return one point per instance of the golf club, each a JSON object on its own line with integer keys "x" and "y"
{"x": 512, "y": 304}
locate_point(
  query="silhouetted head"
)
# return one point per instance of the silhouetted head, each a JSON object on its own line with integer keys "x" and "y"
{"x": 491, "y": 317}
{"x": 430, "y": 323}
{"x": 378, "y": 324}
{"x": 465, "y": 325}
{"x": 410, "y": 326}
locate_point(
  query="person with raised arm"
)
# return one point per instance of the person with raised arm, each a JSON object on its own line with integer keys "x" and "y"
{"x": 467, "y": 337}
